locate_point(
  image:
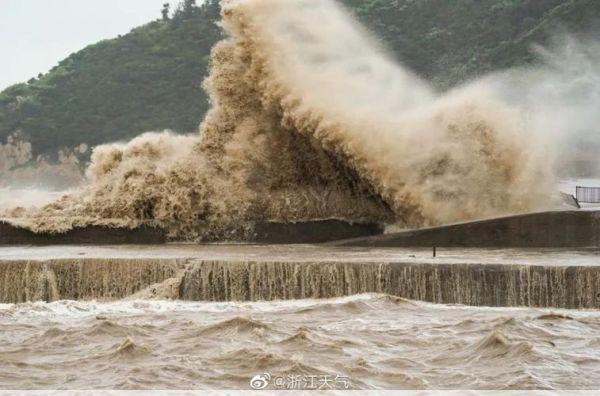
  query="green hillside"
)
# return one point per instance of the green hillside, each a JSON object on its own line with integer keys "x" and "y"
{"x": 149, "y": 79}
{"x": 452, "y": 41}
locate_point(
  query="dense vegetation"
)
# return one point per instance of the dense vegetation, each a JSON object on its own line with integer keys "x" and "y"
{"x": 451, "y": 41}
{"x": 150, "y": 78}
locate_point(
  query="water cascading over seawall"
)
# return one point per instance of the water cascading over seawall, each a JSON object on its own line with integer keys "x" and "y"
{"x": 559, "y": 279}
{"x": 80, "y": 279}
{"x": 468, "y": 284}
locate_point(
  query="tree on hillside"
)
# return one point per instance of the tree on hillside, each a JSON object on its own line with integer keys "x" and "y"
{"x": 185, "y": 9}
{"x": 165, "y": 11}
{"x": 188, "y": 5}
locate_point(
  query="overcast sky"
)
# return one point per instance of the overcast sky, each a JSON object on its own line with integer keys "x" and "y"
{"x": 36, "y": 34}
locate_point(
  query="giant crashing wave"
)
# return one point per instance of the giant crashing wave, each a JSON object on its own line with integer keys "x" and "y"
{"x": 310, "y": 119}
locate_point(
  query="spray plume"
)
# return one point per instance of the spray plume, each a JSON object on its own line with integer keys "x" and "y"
{"x": 311, "y": 119}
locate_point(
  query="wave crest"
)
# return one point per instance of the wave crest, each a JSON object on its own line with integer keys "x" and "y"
{"x": 310, "y": 119}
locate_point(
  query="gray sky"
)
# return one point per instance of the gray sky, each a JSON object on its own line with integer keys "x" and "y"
{"x": 36, "y": 34}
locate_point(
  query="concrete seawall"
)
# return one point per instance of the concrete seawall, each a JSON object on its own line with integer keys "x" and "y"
{"x": 558, "y": 229}
{"x": 96, "y": 235}
{"x": 469, "y": 284}
{"x": 316, "y": 231}
{"x": 568, "y": 229}
{"x": 84, "y": 279}
{"x": 555, "y": 278}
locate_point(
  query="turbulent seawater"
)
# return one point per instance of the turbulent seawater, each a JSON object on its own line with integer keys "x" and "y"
{"x": 310, "y": 120}
{"x": 368, "y": 341}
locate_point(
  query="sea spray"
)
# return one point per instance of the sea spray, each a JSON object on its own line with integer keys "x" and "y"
{"x": 310, "y": 119}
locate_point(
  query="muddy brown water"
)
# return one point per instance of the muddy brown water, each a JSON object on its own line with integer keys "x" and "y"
{"x": 365, "y": 341}
{"x": 371, "y": 341}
